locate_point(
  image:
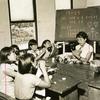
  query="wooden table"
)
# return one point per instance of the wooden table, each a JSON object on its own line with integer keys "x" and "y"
{"x": 64, "y": 87}
{"x": 67, "y": 78}
{"x": 81, "y": 72}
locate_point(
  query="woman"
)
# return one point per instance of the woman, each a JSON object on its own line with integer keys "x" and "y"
{"x": 83, "y": 51}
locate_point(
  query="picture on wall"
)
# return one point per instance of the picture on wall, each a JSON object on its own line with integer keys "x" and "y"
{"x": 22, "y": 32}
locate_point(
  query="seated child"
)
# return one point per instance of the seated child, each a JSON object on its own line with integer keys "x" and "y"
{"x": 32, "y": 45}
{"x": 33, "y": 49}
{"x": 25, "y": 81}
{"x": 7, "y": 59}
{"x": 48, "y": 49}
{"x": 15, "y": 48}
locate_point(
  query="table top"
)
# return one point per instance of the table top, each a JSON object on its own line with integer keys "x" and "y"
{"x": 78, "y": 71}
{"x": 61, "y": 81}
{"x": 68, "y": 76}
{"x": 61, "y": 84}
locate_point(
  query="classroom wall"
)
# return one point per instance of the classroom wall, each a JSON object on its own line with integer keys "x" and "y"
{"x": 79, "y": 4}
{"x": 46, "y": 11}
{"x": 85, "y": 3}
{"x": 45, "y": 20}
{"x": 62, "y": 4}
{"x": 5, "y": 39}
{"x": 91, "y": 3}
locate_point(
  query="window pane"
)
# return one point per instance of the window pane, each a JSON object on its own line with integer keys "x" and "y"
{"x": 21, "y": 10}
{"x": 22, "y": 32}
{"x": 63, "y": 4}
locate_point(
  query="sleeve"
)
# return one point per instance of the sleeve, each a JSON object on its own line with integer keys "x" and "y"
{"x": 14, "y": 67}
{"x": 42, "y": 62}
{"x": 42, "y": 50}
{"x": 28, "y": 51}
{"x": 54, "y": 51}
{"x": 37, "y": 52}
{"x": 39, "y": 72}
{"x": 86, "y": 50}
{"x": 77, "y": 47}
{"x": 91, "y": 48}
{"x": 9, "y": 70}
{"x": 36, "y": 80}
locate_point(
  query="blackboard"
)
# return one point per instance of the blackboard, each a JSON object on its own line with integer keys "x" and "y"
{"x": 70, "y": 22}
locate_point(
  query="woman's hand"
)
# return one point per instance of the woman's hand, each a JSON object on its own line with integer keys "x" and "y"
{"x": 76, "y": 53}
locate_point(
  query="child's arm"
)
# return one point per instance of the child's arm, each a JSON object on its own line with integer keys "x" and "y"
{"x": 88, "y": 56}
{"x": 41, "y": 54}
{"x": 54, "y": 51}
{"x": 10, "y": 72}
{"x": 45, "y": 82}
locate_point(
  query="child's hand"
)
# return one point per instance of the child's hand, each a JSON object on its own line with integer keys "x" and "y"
{"x": 44, "y": 50}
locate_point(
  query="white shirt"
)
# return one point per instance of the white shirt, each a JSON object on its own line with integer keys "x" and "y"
{"x": 87, "y": 48}
{"x": 25, "y": 85}
{"x": 38, "y": 74}
{"x": 35, "y": 53}
{"x": 7, "y": 82}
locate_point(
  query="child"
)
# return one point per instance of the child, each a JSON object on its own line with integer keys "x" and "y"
{"x": 49, "y": 49}
{"x": 32, "y": 45}
{"x": 16, "y": 49}
{"x": 25, "y": 82}
{"x": 7, "y": 59}
{"x": 33, "y": 49}
{"x": 84, "y": 51}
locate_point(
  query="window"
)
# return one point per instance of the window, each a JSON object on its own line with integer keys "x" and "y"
{"x": 17, "y": 7}
{"x": 23, "y": 23}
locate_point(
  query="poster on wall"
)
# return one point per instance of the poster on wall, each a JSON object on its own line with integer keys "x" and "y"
{"x": 21, "y": 33}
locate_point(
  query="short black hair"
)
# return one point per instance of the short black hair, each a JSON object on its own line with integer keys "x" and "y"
{"x": 25, "y": 63}
{"x": 82, "y": 34}
{"x": 32, "y": 42}
{"x": 4, "y": 53}
{"x": 15, "y": 48}
{"x": 44, "y": 42}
